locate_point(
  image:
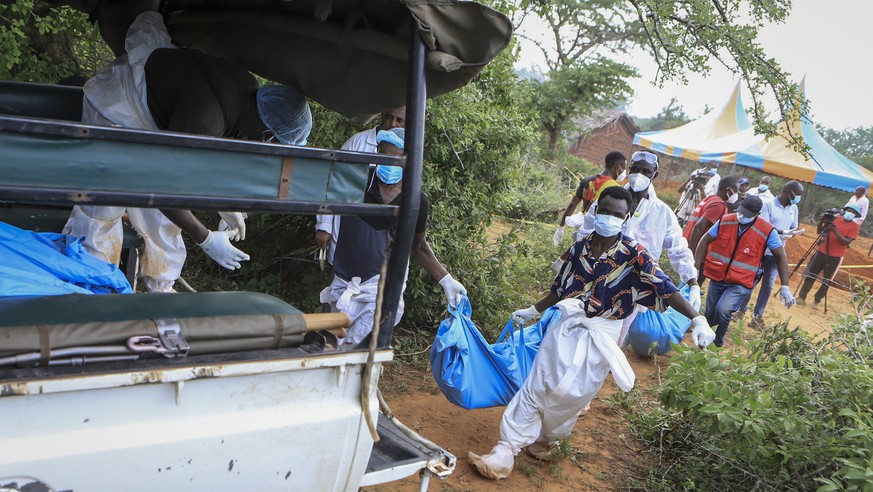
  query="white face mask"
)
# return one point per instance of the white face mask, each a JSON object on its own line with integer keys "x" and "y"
{"x": 607, "y": 225}
{"x": 733, "y": 198}
{"x": 621, "y": 176}
{"x": 742, "y": 219}
{"x": 639, "y": 182}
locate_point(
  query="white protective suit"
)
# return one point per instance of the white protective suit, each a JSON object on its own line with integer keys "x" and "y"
{"x": 568, "y": 371}
{"x": 358, "y": 301}
{"x": 104, "y": 104}
{"x": 654, "y": 225}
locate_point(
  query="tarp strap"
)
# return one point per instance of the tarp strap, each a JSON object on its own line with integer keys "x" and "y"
{"x": 280, "y": 331}
{"x": 45, "y": 345}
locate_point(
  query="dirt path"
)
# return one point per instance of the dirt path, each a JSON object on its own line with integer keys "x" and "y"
{"x": 605, "y": 453}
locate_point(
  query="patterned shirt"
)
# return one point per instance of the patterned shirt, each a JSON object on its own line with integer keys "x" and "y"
{"x": 609, "y": 286}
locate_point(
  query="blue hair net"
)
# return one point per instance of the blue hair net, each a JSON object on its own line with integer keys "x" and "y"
{"x": 285, "y": 112}
{"x": 393, "y": 136}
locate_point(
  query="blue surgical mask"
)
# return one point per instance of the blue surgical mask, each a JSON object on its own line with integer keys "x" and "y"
{"x": 607, "y": 225}
{"x": 796, "y": 199}
{"x": 743, "y": 219}
{"x": 762, "y": 188}
{"x": 849, "y": 216}
{"x": 389, "y": 174}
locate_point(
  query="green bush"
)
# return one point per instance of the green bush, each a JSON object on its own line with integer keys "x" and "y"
{"x": 787, "y": 413}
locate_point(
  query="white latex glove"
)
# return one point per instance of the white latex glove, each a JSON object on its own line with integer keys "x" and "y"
{"x": 558, "y": 236}
{"x": 702, "y": 335}
{"x": 695, "y": 298}
{"x": 217, "y": 246}
{"x": 233, "y": 220}
{"x": 454, "y": 290}
{"x": 522, "y": 316}
{"x": 786, "y": 297}
{"x": 556, "y": 265}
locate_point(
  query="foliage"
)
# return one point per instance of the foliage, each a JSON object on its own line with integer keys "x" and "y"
{"x": 580, "y": 79}
{"x": 577, "y": 90}
{"x": 686, "y": 37}
{"x": 671, "y": 116}
{"x": 789, "y": 412}
{"x": 43, "y": 43}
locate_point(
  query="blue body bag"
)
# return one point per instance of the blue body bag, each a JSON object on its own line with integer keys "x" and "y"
{"x": 652, "y": 332}
{"x": 475, "y": 374}
{"x": 44, "y": 264}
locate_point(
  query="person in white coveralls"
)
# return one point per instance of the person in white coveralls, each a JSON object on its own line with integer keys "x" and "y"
{"x": 606, "y": 275}
{"x": 653, "y": 224}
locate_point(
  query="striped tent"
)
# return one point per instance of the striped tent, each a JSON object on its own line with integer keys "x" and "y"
{"x": 713, "y": 137}
{"x": 727, "y": 137}
{"x": 824, "y": 165}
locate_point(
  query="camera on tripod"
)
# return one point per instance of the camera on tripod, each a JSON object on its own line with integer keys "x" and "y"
{"x": 829, "y": 215}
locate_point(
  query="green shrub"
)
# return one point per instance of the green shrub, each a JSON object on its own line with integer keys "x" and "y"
{"x": 788, "y": 412}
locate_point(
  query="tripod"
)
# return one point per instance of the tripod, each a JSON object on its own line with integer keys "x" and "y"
{"x": 692, "y": 194}
{"x": 822, "y": 237}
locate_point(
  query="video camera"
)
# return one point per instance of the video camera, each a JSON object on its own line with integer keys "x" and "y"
{"x": 829, "y": 215}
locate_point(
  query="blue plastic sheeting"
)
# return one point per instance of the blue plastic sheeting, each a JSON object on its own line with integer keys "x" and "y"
{"x": 475, "y": 374}
{"x": 39, "y": 264}
{"x": 653, "y": 332}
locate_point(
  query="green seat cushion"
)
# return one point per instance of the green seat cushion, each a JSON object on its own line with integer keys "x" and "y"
{"x": 83, "y": 308}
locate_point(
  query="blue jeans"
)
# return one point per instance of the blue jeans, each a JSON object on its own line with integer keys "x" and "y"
{"x": 768, "y": 278}
{"x": 721, "y": 300}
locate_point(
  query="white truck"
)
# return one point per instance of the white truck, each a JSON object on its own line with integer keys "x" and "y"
{"x": 221, "y": 390}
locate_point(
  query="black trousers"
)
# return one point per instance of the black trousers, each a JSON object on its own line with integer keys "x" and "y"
{"x": 819, "y": 263}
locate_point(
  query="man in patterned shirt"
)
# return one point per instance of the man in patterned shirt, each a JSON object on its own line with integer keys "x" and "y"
{"x": 605, "y": 275}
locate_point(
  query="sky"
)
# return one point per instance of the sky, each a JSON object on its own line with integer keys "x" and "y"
{"x": 828, "y": 41}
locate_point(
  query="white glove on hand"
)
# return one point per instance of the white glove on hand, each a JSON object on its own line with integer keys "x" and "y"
{"x": 695, "y": 298}
{"x": 522, "y": 316}
{"x": 702, "y": 335}
{"x": 454, "y": 290}
{"x": 786, "y": 297}
{"x": 558, "y": 236}
{"x": 233, "y": 220}
{"x": 217, "y": 246}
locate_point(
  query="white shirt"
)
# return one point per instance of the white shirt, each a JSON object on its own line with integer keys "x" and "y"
{"x": 364, "y": 141}
{"x": 782, "y": 218}
{"x": 654, "y": 225}
{"x": 765, "y": 196}
{"x": 862, "y": 204}
{"x": 711, "y": 186}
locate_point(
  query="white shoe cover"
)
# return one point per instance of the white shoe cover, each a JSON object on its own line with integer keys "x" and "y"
{"x": 495, "y": 465}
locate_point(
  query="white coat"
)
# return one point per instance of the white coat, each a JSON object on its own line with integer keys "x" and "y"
{"x": 364, "y": 141}
{"x": 117, "y": 97}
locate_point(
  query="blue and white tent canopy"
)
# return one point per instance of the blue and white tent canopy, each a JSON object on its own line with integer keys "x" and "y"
{"x": 727, "y": 137}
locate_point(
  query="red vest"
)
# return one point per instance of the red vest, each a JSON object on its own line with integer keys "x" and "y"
{"x": 697, "y": 214}
{"x": 736, "y": 261}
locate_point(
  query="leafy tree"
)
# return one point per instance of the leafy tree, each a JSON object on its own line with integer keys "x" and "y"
{"x": 682, "y": 37}
{"x": 580, "y": 79}
{"x": 689, "y": 36}
{"x": 44, "y": 43}
{"x": 671, "y": 116}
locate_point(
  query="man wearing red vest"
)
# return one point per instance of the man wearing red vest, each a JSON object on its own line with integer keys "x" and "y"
{"x": 730, "y": 255}
{"x": 710, "y": 210}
